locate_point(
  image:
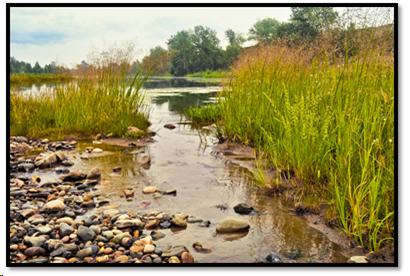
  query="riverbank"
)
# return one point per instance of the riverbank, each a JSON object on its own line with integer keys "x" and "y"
{"x": 326, "y": 127}
{"x": 23, "y": 79}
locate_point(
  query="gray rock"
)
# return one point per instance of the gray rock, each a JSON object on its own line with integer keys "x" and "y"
{"x": 44, "y": 229}
{"x": 88, "y": 251}
{"x": 85, "y": 233}
{"x": 117, "y": 238}
{"x": 65, "y": 229}
{"x": 232, "y": 224}
{"x": 273, "y": 258}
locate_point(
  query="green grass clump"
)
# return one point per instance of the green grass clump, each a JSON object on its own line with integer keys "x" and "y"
{"x": 102, "y": 101}
{"x": 204, "y": 115}
{"x": 329, "y": 119}
{"x": 20, "y": 79}
{"x": 209, "y": 74}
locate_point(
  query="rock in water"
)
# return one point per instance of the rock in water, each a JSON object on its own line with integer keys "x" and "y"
{"x": 55, "y": 205}
{"x": 169, "y": 126}
{"x": 243, "y": 209}
{"x": 85, "y": 233}
{"x": 135, "y": 132}
{"x": 180, "y": 220}
{"x": 94, "y": 173}
{"x": 273, "y": 258}
{"x": 149, "y": 190}
{"x": 187, "y": 258}
{"x": 232, "y": 224}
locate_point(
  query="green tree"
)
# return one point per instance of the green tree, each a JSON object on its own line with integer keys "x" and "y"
{"x": 207, "y": 51}
{"x": 307, "y": 22}
{"x": 234, "y": 48}
{"x": 265, "y": 30}
{"x": 157, "y": 62}
{"x": 181, "y": 49}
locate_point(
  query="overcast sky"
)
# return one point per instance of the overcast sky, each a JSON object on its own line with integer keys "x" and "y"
{"x": 68, "y": 35}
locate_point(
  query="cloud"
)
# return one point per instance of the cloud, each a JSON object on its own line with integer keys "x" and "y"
{"x": 69, "y": 34}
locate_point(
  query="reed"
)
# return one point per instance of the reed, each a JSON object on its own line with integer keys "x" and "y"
{"x": 101, "y": 101}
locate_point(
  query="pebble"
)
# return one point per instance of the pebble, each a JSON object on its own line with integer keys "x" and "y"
{"x": 149, "y": 190}
{"x": 55, "y": 205}
{"x": 85, "y": 234}
{"x": 358, "y": 259}
{"x": 187, "y": 258}
{"x": 243, "y": 209}
{"x": 273, "y": 258}
{"x": 174, "y": 260}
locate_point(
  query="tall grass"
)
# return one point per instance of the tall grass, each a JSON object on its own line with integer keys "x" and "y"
{"x": 329, "y": 119}
{"x": 101, "y": 101}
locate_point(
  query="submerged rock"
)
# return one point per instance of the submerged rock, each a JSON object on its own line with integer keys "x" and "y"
{"x": 94, "y": 173}
{"x": 170, "y": 126}
{"x": 243, "y": 209}
{"x": 180, "y": 220}
{"x": 232, "y": 224}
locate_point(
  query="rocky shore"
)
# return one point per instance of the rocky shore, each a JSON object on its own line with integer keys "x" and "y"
{"x": 70, "y": 221}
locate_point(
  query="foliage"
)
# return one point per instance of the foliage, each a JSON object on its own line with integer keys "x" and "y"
{"x": 103, "y": 101}
{"x": 25, "y": 67}
{"x": 265, "y": 30}
{"x": 328, "y": 118}
{"x": 219, "y": 74}
{"x": 157, "y": 62}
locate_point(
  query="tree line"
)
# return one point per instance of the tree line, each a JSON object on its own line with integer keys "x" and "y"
{"x": 199, "y": 49}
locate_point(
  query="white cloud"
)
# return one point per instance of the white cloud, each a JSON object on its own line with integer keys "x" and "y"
{"x": 69, "y": 34}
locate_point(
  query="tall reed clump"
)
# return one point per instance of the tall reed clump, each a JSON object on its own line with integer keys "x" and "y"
{"x": 103, "y": 100}
{"x": 328, "y": 118}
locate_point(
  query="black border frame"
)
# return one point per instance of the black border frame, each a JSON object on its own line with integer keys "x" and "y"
{"x": 211, "y": 5}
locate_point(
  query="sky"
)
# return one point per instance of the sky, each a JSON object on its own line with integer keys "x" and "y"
{"x": 69, "y": 35}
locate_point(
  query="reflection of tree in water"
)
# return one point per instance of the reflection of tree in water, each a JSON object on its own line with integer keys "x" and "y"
{"x": 179, "y": 102}
{"x": 176, "y": 82}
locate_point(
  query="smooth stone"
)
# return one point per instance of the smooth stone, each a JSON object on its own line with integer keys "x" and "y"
{"x": 88, "y": 251}
{"x": 358, "y": 260}
{"x": 122, "y": 259}
{"x": 120, "y": 224}
{"x": 180, "y": 220}
{"x": 149, "y": 248}
{"x": 55, "y": 205}
{"x": 44, "y": 229}
{"x": 35, "y": 241}
{"x": 200, "y": 248}
{"x": 36, "y": 219}
{"x": 117, "y": 238}
{"x": 65, "y": 229}
{"x": 35, "y": 251}
{"x": 187, "y": 258}
{"x": 232, "y": 224}
{"x": 85, "y": 233}
{"x": 73, "y": 176}
{"x": 97, "y": 150}
{"x": 102, "y": 259}
{"x": 174, "y": 260}
{"x": 165, "y": 224}
{"x": 66, "y": 220}
{"x": 108, "y": 234}
{"x": 149, "y": 190}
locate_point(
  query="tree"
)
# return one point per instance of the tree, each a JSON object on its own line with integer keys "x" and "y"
{"x": 308, "y": 22}
{"x": 208, "y": 53}
{"x": 157, "y": 62}
{"x": 234, "y": 48}
{"x": 265, "y": 30}
{"x": 181, "y": 49}
{"x": 37, "y": 69}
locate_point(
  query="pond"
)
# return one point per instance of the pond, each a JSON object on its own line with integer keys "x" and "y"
{"x": 207, "y": 186}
